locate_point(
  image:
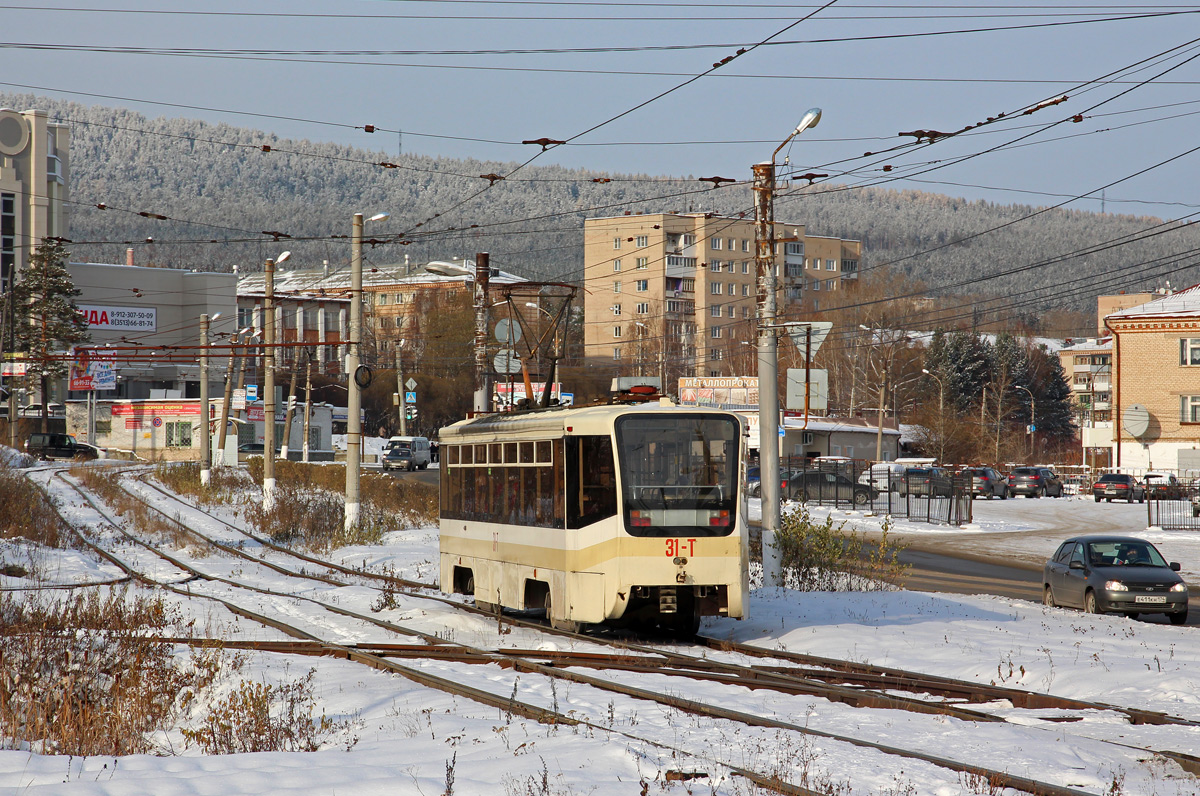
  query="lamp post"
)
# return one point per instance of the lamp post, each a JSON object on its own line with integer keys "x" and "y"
{"x": 354, "y": 389}
{"x": 205, "y": 422}
{"x": 269, "y": 382}
{"x": 768, "y": 351}
{"x": 941, "y": 414}
{"x": 1032, "y": 422}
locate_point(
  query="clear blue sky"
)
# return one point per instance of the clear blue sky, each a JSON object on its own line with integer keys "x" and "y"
{"x": 468, "y": 103}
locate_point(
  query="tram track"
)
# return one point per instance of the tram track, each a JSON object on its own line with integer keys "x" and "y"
{"x": 783, "y": 679}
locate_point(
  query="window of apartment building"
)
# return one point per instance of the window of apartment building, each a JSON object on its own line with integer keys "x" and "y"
{"x": 716, "y": 333}
{"x": 715, "y": 311}
{"x": 642, "y": 241}
{"x": 715, "y": 266}
{"x": 385, "y": 323}
{"x": 814, "y": 263}
{"x": 289, "y": 318}
{"x": 795, "y": 248}
{"x": 642, "y": 308}
{"x": 745, "y": 266}
{"x": 731, "y": 289}
{"x": 331, "y": 320}
{"x": 368, "y": 299}
{"x": 617, "y": 264}
{"x": 689, "y": 284}
{"x": 715, "y": 244}
{"x": 616, "y": 353}
{"x": 1083, "y": 380}
{"x": 745, "y": 312}
{"x": 245, "y": 317}
{"x": 1189, "y": 351}
{"x": 715, "y": 289}
{"x": 616, "y": 243}
{"x": 849, "y": 266}
{"x": 731, "y": 244}
{"x": 831, "y": 284}
{"x": 616, "y": 331}
{"x": 746, "y": 289}
{"x": 731, "y": 311}
{"x": 745, "y": 245}
{"x": 689, "y": 239}
{"x": 831, "y": 265}
{"x": 643, "y": 285}
{"x": 816, "y": 284}
{"x": 382, "y": 299}
{"x": 716, "y": 354}
{"x": 616, "y": 287}
{"x": 616, "y": 308}
{"x": 643, "y": 262}
{"x": 794, "y": 270}
{"x": 1189, "y": 409}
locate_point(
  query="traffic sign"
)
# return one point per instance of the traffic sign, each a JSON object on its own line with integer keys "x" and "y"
{"x": 507, "y": 361}
{"x": 251, "y": 392}
{"x": 411, "y": 384}
{"x": 410, "y": 397}
{"x": 507, "y": 331}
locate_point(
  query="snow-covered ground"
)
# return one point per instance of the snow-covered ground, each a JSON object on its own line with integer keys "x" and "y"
{"x": 402, "y": 738}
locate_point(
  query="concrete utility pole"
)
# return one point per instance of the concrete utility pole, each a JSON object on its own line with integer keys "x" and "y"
{"x": 307, "y": 403}
{"x": 269, "y": 385}
{"x": 205, "y": 423}
{"x": 227, "y": 400}
{"x": 400, "y": 390}
{"x": 353, "y": 361}
{"x": 768, "y": 352}
{"x": 483, "y": 388}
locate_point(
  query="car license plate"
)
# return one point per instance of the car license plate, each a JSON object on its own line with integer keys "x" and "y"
{"x": 1149, "y": 598}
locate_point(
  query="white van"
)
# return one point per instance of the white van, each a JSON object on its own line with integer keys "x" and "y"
{"x": 883, "y": 476}
{"x": 409, "y": 453}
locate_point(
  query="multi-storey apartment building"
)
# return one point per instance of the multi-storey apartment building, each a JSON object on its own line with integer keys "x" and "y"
{"x": 1088, "y": 367}
{"x": 674, "y": 293}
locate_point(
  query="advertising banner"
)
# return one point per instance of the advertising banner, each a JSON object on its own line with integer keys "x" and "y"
{"x": 155, "y": 409}
{"x": 120, "y": 319}
{"x": 91, "y": 370}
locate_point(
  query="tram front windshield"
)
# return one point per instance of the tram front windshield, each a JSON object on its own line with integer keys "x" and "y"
{"x": 678, "y": 474}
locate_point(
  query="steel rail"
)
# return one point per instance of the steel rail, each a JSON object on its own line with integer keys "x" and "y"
{"x": 866, "y": 676}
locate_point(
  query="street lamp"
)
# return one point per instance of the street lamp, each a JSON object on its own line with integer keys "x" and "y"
{"x": 941, "y": 414}
{"x": 354, "y": 392}
{"x": 1032, "y": 422}
{"x": 768, "y": 350}
{"x": 269, "y": 382}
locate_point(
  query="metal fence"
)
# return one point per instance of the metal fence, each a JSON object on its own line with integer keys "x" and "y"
{"x": 939, "y": 499}
{"x": 1176, "y": 512}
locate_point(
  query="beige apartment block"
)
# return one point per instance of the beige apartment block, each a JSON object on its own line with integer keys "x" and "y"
{"x": 34, "y": 180}
{"x": 1109, "y": 305}
{"x": 1156, "y": 367}
{"x": 674, "y": 294}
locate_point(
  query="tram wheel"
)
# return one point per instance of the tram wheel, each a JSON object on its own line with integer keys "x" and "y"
{"x": 559, "y": 624}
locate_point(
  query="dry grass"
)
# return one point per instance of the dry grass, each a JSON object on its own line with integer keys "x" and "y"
{"x": 817, "y": 556}
{"x": 78, "y": 675}
{"x": 310, "y": 506}
{"x": 136, "y": 515}
{"x": 258, "y": 717}
{"x": 225, "y": 485}
{"x": 29, "y": 513}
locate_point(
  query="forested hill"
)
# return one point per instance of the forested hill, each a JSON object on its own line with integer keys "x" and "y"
{"x": 219, "y": 178}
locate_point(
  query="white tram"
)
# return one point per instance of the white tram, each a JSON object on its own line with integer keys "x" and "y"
{"x": 629, "y": 514}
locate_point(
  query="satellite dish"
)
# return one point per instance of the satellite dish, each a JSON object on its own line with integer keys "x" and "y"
{"x": 14, "y": 132}
{"x": 507, "y": 361}
{"x": 507, "y": 331}
{"x": 1136, "y": 420}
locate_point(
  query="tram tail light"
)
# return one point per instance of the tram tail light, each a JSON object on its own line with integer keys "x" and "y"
{"x": 720, "y": 518}
{"x": 637, "y": 520}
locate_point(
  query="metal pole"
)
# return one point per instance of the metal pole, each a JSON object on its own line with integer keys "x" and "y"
{"x": 768, "y": 368}
{"x": 483, "y": 391}
{"x": 400, "y": 392}
{"x": 269, "y": 389}
{"x": 205, "y": 422}
{"x": 354, "y": 394}
{"x": 307, "y": 403}
{"x": 223, "y": 429}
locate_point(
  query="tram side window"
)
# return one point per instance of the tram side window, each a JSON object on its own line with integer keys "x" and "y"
{"x": 591, "y": 480}
{"x": 493, "y": 483}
